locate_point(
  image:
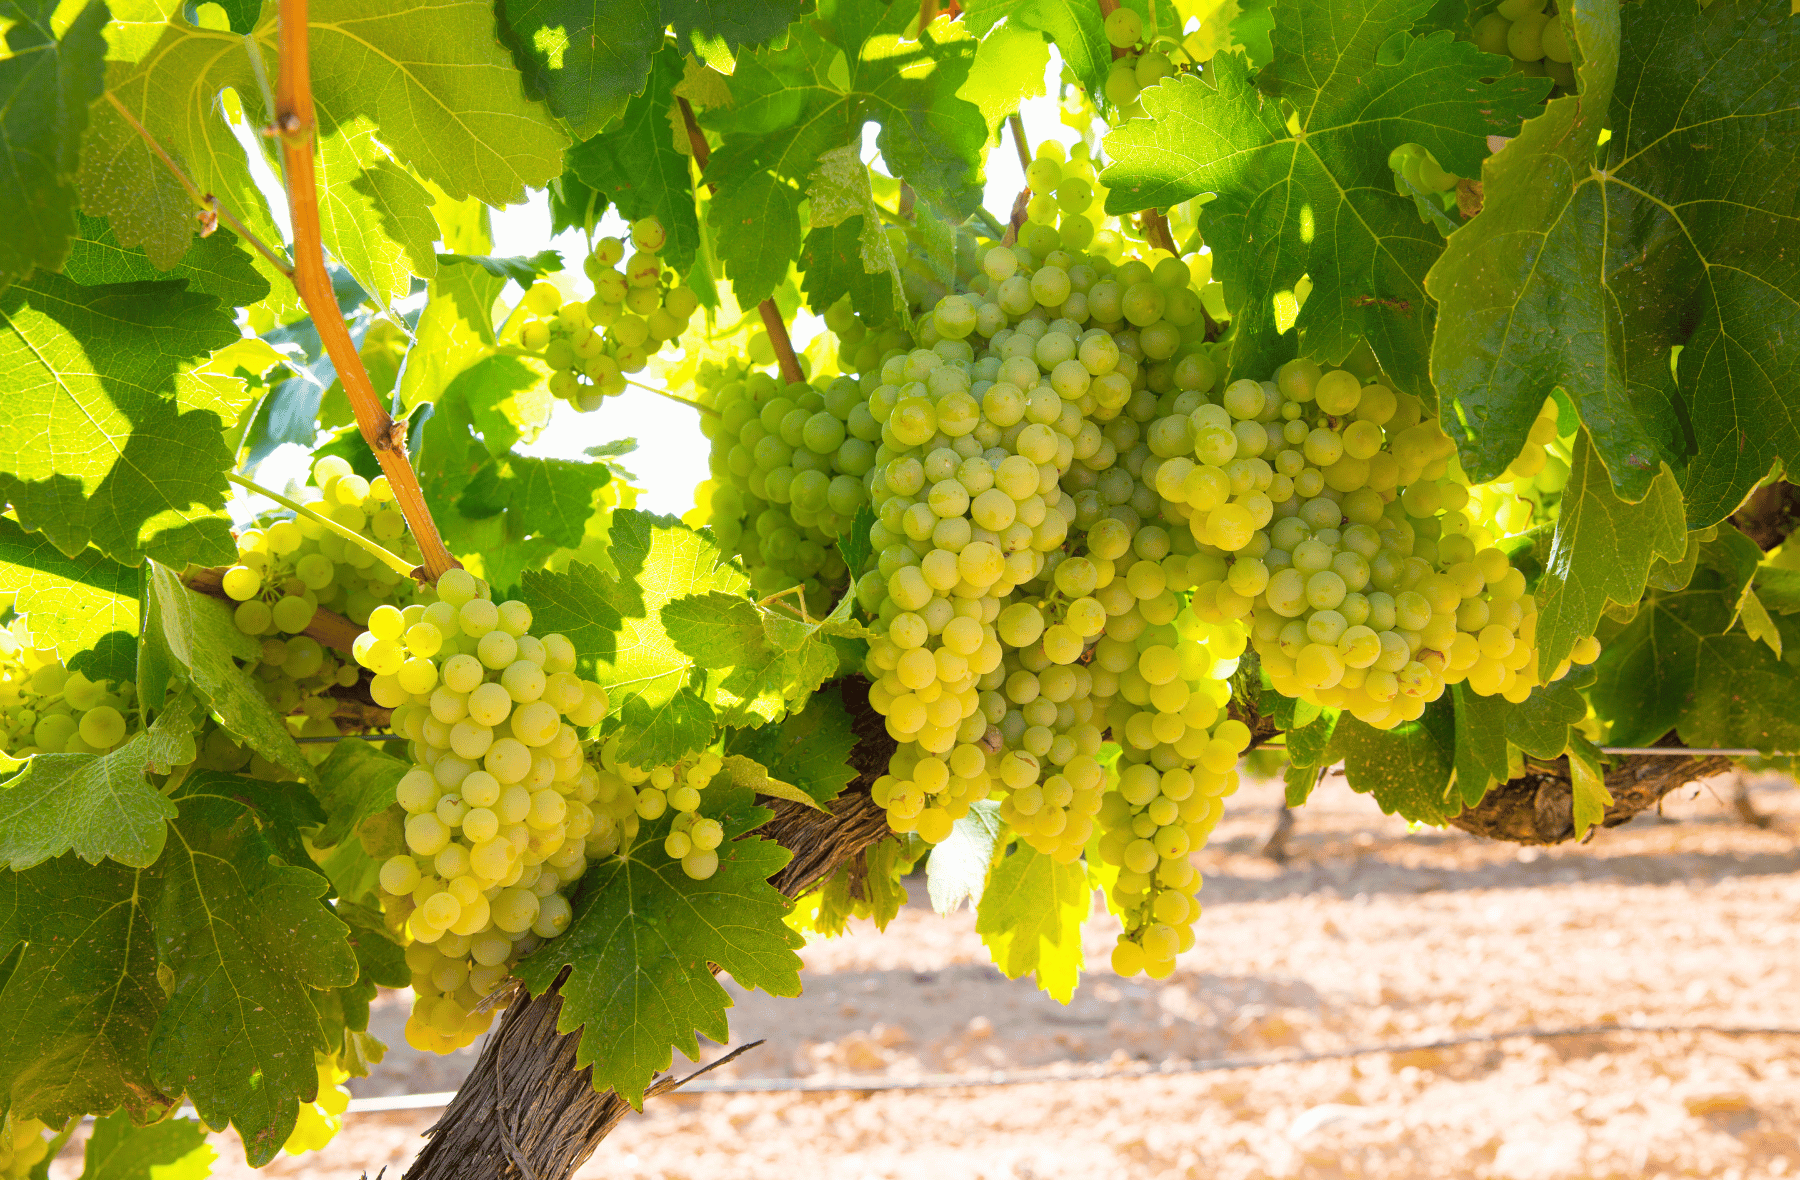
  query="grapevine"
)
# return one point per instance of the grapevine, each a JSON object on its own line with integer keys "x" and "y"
{"x": 1338, "y": 390}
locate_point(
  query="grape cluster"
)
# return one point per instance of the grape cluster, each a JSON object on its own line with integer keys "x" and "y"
{"x": 1533, "y": 36}
{"x": 1359, "y": 594}
{"x": 591, "y": 345}
{"x": 788, "y": 467}
{"x": 47, "y": 709}
{"x": 291, "y": 567}
{"x": 497, "y": 799}
{"x": 1417, "y": 174}
{"x": 321, "y": 1119}
{"x": 631, "y": 794}
{"x": 23, "y": 1145}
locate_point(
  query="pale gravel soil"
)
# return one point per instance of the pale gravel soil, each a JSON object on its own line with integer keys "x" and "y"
{"x": 1370, "y": 935}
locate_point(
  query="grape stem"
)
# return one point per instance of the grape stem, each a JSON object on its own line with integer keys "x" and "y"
{"x": 771, "y": 315}
{"x": 295, "y": 129}
{"x": 674, "y": 397}
{"x": 1018, "y": 137}
{"x": 388, "y": 558}
{"x": 210, "y": 205}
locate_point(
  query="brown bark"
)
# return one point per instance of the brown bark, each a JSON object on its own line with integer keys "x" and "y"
{"x": 332, "y": 630}
{"x": 526, "y": 1112}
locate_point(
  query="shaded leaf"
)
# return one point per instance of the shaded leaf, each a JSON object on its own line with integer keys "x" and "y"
{"x": 69, "y": 603}
{"x": 173, "y": 1150}
{"x": 1031, "y": 916}
{"x": 957, "y": 870}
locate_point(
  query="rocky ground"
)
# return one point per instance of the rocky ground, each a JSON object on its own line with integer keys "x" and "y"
{"x": 1369, "y": 936}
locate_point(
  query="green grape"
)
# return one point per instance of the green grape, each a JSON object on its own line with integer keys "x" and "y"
{"x": 1124, "y": 28}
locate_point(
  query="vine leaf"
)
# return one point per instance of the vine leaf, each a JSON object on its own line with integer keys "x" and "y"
{"x": 355, "y": 782}
{"x": 810, "y": 748}
{"x": 172, "y": 1150}
{"x": 635, "y": 164}
{"x": 754, "y": 776}
{"x": 959, "y": 864}
{"x": 82, "y": 992}
{"x": 1008, "y": 69}
{"x": 792, "y": 105}
{"x": 616, "y": 619}
{"x": 1633, "y": 273}
{"x": 437, "y": 91}
{"x": 1031, "y": 916}
{"x": 46, "y": 84}
{"x": 374, "y": 215}
{"x": 1587, "y": 782}
{"x": 94, "y": 448}
{"x": 1318, "y": 200}
{"x": 840, "y": 195}
{"x": 1077, "y": 27}
{"x": 199, "y": 634}
{"x": 643, "y": 935}
{"x": 1490, "y": 731}
{"x": 69, "y": 603}
{"x": 586, "y": 58}
{"x": 98, "y": 805}
{"x": 214, "y": 265}
{"x": 1675, "y": 666}
{"x": 1406, "y": 769}
{"x": 247, "y": 939}
{"x": 455, "y": 331}
{"x": 1602, "y": 549}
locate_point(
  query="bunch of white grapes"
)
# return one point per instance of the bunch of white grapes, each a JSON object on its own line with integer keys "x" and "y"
{"x": 629, "y": 795}
{"x": 1532, "y": 36}
{"x": 498, "y": 798}
{"x": 788, "y": 467}
{"x": 321, "y": 1119}
{"x": 1359, "y": 595}
{"x": 1135, "y": 71}
{"x": 47, "y": 709}
{"x": 23, "y": 1145}
{"x": 591, "y": 345}
{"x": 292, "y": 566}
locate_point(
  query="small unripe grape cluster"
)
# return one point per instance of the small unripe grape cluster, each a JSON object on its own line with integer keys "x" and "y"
{"x": 1418, "y": 175}
{"x": 1533, "y": 36}
{"x": 498, "y": 799}
{"x": 1134, "y": 72}
{"x": 591, "y": 345}
{"x": 788, "y": 466}
{"x": 629, "y": 795}
{"x": 321, "y": 1119}
{"x": 23, "y": 1145}
{"x": 47, "y": 709}
{"x": 292, "y": 567}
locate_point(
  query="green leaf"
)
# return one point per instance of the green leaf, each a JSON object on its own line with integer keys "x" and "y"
{"x": 1601, "y": 551}
{"x": 68, "y": 603}
{"x": 508, "y": 400}
{"x": 1308, "y": 741}
{"x": 1491, "y": 730}
{"x": 1779, "y": 589}
{"x": 957, "y": 870}
{"x": 1320, "y": 201}
{"x": 839, "y": 193}
{"x": 81, "y": 993}
{"x": 792, "y": 105}
{"x": 1675, "y": 667}
{"x": 754, "y": 776}
{"x": 615, "y": 621}
{"x": 218, "y": 264}
{"x": 755, "y": 659}
{"x": 1593, "y": 261}
{"x": 1587, "y": 783}
{"x": 46, "y": 85}
{"x": 666, "y": 731}
{"x": 98, "y": 805}
{"x": 96, "y": 449}
{"x": 810, "y": 748}
{"x": 635, "y": 163}
{"x": 886, "y": 864}
{"x": 520, "y": 269}
{"x": 437, "y": 91}
{"x": 586, "y": 59}
{"x": 1077, "y": 27}
{"x": 643, "y": 935}
{"x": 1406, "y": 769}
{"x": 1031, "y": 916}
{"x": 246, "y": 939}
{"x": 200, "y": 634}
{"x": 1008, "y": 69}
{"x": 173, "y": 1150}
{"x": 455, "y": 330}
{"x": 355, "y": 782}
{"x": 1300, "y": 782}
{"x": 375, "y": 217}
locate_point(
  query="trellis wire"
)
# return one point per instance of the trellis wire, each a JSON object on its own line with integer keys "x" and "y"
{"x": 1055, "y": 1074}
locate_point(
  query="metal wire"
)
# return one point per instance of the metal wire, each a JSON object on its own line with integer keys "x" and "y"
{"x": 1686, "y": 752}
{"x": 1069, "y": 1072}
